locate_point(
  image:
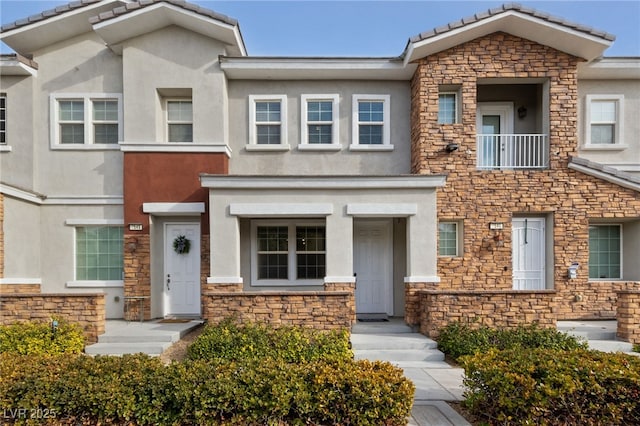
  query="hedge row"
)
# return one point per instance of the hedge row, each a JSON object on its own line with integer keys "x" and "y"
{"x": 40, "y": 338}
{"x": 554, "y": 387}
{"x": 234, "y": 342}
{"x": 140, "y": 390}
{"x": 458, "y": 339}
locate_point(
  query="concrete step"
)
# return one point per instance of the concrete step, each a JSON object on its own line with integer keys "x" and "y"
{"x": 147, "y": 338}
{"x": 392, "y": 355}
{"x": 611, "y": 346}
{"x": 592, "y": 334}
{"x": 400, "y": 341}
{"x": 383, "y": 327}
{"x": 152, "y": 348}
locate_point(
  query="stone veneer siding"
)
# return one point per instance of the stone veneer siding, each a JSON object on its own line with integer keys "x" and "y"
{"x": 629, "y": 316}
{"x": 19, "y": 288}
{"x": 88, "y": 310}
{"x": 333, "y": 308}
{"x": 137, "y": 276}
{"x": 497, "y": 308}
{"x": 568, "y": 199}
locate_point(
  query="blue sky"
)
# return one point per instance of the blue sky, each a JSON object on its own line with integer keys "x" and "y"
{"x": 373, "y": 28}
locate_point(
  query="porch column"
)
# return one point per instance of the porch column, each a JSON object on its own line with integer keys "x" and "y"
{"x": 225, "y": 249}
{"x": 339, "y": 247}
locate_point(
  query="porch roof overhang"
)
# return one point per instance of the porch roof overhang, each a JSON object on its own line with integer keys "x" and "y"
{"x": 322, "y": 182}
{"x": 601, "y": 171}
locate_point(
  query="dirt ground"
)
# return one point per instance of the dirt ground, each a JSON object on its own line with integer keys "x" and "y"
{"x": 178, "y": 351}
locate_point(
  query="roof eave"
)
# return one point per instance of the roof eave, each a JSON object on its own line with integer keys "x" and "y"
{"x": 563, "y": 38}
{"x": 17, "y": 65}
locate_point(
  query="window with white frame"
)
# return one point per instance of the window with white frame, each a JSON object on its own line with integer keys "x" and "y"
{"x": 448, "y": 239}
{"x": 267, "y": 121}
{"x": 86, "y": 121}
{"x": 604, "y": 121}
{"x": 288, "y": 253}
{"x": 3, "y": 118}
{"x": 605, "y": 252}
{"x": 179, "y": 120}
{"x": 99, "y": 253}
{"x": 319, "y": 121}
{"x": 447, "y": 107}
{"x": 371, "y": 121}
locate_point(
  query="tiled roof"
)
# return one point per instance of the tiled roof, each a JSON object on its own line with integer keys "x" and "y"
{"x": 47, "y": 14}
{"x": 15, "y": 57}
{"x": 118, "y": 11}
{"x": 608, "y": 173}
{"x": 131, "y": 7}
{"x": 505, "y": 8}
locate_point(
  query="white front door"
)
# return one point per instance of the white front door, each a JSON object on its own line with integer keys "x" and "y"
{"x": 528, "y": 253}
{"x": 182, "y": 270}
{"x": 372, "y": 263}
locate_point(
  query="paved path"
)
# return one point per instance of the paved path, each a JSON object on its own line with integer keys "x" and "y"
{"x": 435, "y": 380}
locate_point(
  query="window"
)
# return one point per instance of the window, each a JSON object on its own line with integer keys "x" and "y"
{"x": 3, "y": 118}
{"x": 267, "y": 127}
{"x": 288, "y": 253}
{"x": 448, "y": 239}
{"x": 447, "y": 108}
{"x": 604, "y": 121}
{"x": 180, "y": 120}
{"x": 605, "y": 247}
{"x": 371, "y": 122}
{"x": 99, "y": 253}
{"x": 86, "y": 121}
{"x": 319, "y": 122}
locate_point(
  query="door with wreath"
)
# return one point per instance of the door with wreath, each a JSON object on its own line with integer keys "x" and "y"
{"x": 182, "y": 270}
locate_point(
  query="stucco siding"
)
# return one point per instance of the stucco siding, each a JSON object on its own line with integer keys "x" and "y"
{"x": 22, "y": 243}
{"x": 299, "y": 162}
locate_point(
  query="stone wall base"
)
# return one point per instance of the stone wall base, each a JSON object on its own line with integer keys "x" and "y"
{"x": 88, "y": 310}
{"x": 498, "y": 308}
{"x": 628, "y": 304}
{"x": 19, "y": 288}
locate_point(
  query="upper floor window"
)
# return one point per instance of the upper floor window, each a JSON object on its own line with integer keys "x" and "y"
{"x": 371, "y": 121}
{"x": 86, "y": 121}
{"x": 319, "y": 127}
{"x": 179, "y": 120}
{"x": 267, "y": 122}
{"x": 3, "y": 118}
{"x": 604, "y": 127}
{"x": 447, "y": 108}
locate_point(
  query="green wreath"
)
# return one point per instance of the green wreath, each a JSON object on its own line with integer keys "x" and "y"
{"x": 181, "y": 244}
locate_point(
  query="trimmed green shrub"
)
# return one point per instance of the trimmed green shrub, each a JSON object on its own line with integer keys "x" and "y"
{"x": 636, "y": 348}
{"x": 234, "y": 342}
{"x": 458, "y": 339}
{"x": 137, "y": 390}
{"x": 543, "y": 386}
{"x": 39, "y": 338}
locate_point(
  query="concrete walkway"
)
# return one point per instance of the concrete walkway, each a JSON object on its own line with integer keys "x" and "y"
{"x": 132, "y": 337}
{"x": 435, "y": 380}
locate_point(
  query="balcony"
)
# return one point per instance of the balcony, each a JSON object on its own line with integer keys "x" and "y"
{"x": 512, "y": 151}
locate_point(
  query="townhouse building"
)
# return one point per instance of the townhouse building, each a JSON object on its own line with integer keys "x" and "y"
{"x": 150, "y": 167}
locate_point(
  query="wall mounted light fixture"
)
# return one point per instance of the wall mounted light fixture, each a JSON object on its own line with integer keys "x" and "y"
{"x": 522, "y": 112}
{"x": 451, "y": 147}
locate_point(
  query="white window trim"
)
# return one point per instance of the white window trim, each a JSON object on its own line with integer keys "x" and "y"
{"x": 618, "y": 143}
{"x": 456, "y": 106}
{"x": 168, "y": 122}
{"x": 621, "y": 278}
{"x": 75, "y": 223}
{"x": 87, "y": 99}
{"x": 458, "y": 225}
{"x": 335, "y": 128}
{"x": 253, "y": 134}
{"x": 355, "y": 123}
{"x": 292, "y": 281}
{"x": 4, "y": 146}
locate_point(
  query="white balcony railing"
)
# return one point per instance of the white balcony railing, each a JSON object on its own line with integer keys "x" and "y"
{"x": 522, "y": 151}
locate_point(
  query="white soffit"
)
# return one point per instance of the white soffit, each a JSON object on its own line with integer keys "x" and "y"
{"x": 275, "y": 68}
{"x": 16, "y": 67}
{"x": 48, "y": 30}
{"x": 173, "y": 209}
{"x": 322, "y": 182}
{"x": 381, "y": 209}
{"x": 152, "y": 18}
{"x": 557, "y": 36}
{"x": 610, "y": 69}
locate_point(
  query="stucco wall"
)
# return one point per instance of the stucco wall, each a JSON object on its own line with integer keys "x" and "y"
{"x": 629, "y": 156}
{"x": 294, "y": 161}
{"x": 22, "y": 239}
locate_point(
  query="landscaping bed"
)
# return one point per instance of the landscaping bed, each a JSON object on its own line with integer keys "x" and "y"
{"x": 243, "y": 375}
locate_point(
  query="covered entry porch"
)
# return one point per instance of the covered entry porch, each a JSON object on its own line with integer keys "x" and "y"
{"x": 281, "y": 245}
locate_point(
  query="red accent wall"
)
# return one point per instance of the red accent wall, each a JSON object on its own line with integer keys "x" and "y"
{"x": 159, "y": 177}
